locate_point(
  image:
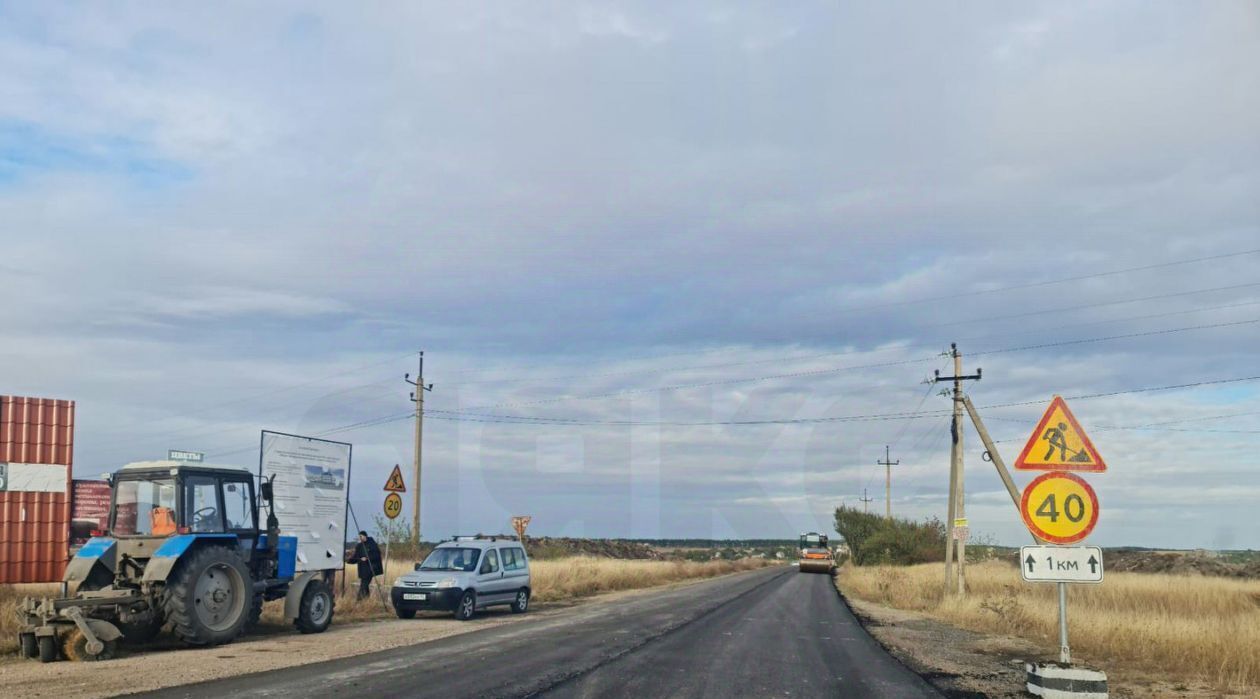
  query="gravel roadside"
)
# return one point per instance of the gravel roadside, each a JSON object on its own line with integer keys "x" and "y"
{"x": 965, "y": 664}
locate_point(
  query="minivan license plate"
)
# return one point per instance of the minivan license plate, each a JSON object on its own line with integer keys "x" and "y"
{"x": 415, "y": 595}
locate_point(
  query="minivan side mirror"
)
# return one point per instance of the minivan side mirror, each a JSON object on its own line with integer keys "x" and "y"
{"x": 417, "y": 566}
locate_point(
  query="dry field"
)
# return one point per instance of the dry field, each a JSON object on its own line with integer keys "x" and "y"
{"x": 1175, "y": 626}
{"x": 557, "y": 580}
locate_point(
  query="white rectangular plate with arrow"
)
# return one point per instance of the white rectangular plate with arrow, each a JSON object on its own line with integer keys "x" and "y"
{"x": 1070, "y": 564}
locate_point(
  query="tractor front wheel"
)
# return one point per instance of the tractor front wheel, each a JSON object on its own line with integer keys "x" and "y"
{"x": 30, "y": 649}
{"x": 209, "y": 597}
{"x": 47, "y": 649}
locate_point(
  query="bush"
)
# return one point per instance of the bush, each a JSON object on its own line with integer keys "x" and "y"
{"x": 872, "y": 539}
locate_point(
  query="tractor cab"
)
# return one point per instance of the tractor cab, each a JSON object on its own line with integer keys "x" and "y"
{"x": 163, "y": 498}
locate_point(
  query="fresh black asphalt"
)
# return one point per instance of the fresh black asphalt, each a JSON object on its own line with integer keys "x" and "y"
{"x": 769, "y": 633}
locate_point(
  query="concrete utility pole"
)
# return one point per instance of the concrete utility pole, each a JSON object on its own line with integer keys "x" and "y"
{"x": 865, "y": 502}
{"x": 417, "y": 397}
{"x": 957, "y": 506}
{"x": 888, "y": 464}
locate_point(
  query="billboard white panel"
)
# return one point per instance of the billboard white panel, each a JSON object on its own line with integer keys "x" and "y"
{"x": 312, "y": 482}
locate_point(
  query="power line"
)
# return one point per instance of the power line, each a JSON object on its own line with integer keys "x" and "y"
{"x": 868, "y": 417}
{"x": 1157, "y": 297}
{"x": 1032, "y": 285}
{"x": 819, "y": 372}
{"x": 822, "y": 355}
{"x": 930, "y": 299}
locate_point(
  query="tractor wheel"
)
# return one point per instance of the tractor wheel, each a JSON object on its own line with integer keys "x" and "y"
{"x": 30, "y": 649}
{"x": 315, "y": 612}
{"x": 209, "y": 597}
{"x": 76, "y": 648}
{"x": 47, "y": 649}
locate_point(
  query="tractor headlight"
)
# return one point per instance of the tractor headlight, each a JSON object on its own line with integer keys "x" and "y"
{"x": 446, "y": 583}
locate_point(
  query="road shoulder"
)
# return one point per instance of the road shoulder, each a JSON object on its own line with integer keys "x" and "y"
{"x": 963, "y": 664}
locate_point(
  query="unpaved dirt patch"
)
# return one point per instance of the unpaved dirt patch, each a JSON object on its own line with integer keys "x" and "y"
{"x": 155, "y": 668}
{"x": 964, "y": 664}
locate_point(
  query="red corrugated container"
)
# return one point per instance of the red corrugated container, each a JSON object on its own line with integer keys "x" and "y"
{"x": 35, "y": 525}
{"x": 36, "y": 431}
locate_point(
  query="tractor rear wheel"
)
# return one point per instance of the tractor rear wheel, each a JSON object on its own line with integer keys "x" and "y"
{"x": 316, "y": 610}
{"x": 209, "y": 597}
{"x": 76, "y": 648}
{"x": 47, "y": 649}
{"x": 30, "y": 649}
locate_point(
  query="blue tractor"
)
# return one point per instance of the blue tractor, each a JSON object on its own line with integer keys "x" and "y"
{"x": 183, "y": 550}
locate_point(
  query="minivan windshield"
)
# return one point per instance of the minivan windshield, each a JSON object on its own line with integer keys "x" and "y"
{"x": 452, "y": 558}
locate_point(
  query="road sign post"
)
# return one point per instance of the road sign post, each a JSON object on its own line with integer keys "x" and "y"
{"x": 1060, "y": 508}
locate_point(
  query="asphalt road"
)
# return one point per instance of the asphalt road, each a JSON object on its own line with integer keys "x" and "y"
{"x": 773, "y": 632}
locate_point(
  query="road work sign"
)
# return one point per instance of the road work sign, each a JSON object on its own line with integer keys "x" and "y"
{"x": 1076, "y": 564}
{"x": 393, "y": 505}
{"x": 395, "y": 482}
{"x": 519, "y": 523}
{"x": 1059, "y": 444}
{"x": 1059, "y": 508}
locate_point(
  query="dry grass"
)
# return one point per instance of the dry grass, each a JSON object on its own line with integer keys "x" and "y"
{"x": 1176, "y": 626}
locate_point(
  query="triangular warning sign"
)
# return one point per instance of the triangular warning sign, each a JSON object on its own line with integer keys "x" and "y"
{"x": 395, "y": 483}
{"x": 1059, "y": 444}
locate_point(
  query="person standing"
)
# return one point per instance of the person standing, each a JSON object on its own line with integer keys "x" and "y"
{"x": 368, "y": 555}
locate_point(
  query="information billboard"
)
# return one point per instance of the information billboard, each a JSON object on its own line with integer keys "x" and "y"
{"x": 312, "y": 483}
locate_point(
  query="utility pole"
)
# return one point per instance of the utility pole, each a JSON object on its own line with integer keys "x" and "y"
{"x": 957, "y": 505}
{"x": 417, "y": 397}
{"x": 887, "y": 463}
{"x": 865, "y": 502}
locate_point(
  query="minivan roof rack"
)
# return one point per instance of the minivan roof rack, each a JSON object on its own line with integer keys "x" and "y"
{"x": 485, "y": 537}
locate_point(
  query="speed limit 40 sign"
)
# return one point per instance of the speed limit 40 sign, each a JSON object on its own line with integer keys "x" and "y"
{"x": 1060, "y": 508}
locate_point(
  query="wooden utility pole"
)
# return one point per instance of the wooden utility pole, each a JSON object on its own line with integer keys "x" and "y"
{"x": 957, "y": 506}
{"x": 417, "y": 397}
{"x": 865, "y": 502}
{"x": 887, "y": 463}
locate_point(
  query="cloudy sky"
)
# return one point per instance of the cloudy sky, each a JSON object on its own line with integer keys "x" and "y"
{"x": 671, "y": 238}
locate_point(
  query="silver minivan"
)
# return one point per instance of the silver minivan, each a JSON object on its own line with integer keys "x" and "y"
{"x": 466, "y": 574}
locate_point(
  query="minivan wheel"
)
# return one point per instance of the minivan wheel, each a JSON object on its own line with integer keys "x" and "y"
{"x": 522, "y": 601}
{"x": 467, "y": 606}
{"x": 405, "y": 613}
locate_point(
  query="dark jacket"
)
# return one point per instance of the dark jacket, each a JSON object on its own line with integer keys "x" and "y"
{"x": 369, "y": 550}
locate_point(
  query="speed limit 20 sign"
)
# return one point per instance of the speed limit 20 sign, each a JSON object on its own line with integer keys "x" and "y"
{"x": 1060, "y": 508}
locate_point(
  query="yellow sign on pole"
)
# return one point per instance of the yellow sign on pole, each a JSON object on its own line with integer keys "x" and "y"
{"x": 1059, "y": 444}
{"x": 519, "y": 523}
{"x": 393, "y": 505}
{"x": 1059, "y": 508}
{"x": 395, "y": 483}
